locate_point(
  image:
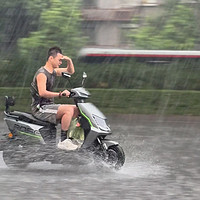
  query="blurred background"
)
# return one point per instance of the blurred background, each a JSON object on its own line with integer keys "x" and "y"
{"x": 141, "y": 56}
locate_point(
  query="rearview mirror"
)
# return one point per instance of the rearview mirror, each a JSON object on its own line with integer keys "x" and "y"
{"x": 84, "y": 75}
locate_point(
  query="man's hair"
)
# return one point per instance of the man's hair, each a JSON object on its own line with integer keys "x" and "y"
{"x": 53, "y": 51}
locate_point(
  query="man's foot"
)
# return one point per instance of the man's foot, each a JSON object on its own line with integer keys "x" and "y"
{"x": 67, "y": 145}
{"x": 77, "y": 142}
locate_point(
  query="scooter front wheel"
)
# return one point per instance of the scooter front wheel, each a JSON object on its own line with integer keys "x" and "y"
{"x": 115, "y": 156}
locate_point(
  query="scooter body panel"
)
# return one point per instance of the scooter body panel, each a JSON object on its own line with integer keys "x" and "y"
{"x": 24, "y": 130}
{"x": 95, "y": 117}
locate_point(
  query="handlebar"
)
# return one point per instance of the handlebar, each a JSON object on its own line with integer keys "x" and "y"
{"x": 78, "y": 93}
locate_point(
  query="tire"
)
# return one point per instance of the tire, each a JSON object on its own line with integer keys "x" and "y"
{"x": 115, "y": 156}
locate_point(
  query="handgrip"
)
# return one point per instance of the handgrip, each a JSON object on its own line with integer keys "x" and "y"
{"x": 64, "y": 94}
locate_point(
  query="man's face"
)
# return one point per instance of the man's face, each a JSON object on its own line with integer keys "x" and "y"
{"x": 57, "y": 61}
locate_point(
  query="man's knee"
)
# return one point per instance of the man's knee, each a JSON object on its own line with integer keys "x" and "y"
{"x": 71, "y": 110}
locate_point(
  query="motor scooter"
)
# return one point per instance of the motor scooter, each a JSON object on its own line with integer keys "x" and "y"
{"x": 32, "y": 140}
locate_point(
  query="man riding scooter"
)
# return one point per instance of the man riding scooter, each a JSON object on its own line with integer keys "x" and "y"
{"x": 43, "y": 106}
{"x": 31, "y": 139}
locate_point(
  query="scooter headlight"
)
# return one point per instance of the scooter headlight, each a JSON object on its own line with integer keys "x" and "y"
{"x": 101, "y": 123}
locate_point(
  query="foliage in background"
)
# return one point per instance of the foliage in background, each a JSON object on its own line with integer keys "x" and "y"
{"x": 59, "y": 25}
{"x": 35, "y": 25}
{"x": 131, "y": 101}
{"x": 176, "y": 75}
{"x": 28, "y": 29}
{"x": 141, "y": 87}
{"x": 175, "y": 29}
{"x": 15, "y": 22}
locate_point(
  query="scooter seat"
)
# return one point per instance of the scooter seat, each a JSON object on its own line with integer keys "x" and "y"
{"x": 28, "y": 117}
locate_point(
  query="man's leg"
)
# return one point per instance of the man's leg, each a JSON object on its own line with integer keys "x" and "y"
{"x": 66, "y": 113}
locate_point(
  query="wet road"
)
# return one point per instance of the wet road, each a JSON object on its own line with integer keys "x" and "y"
{"x": 162, "y": 162}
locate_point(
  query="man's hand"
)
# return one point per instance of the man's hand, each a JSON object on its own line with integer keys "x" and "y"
{"x": 69, "y": 68}
{"x": 66, "y": 58}
{"x": 65, "y": 93}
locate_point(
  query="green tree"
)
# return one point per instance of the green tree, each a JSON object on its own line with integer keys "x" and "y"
{"x": 175, "y": 30}
{"x": 28, "y": 29}
{"x": 15, "y": 22}
{"x": 59, "y": 25}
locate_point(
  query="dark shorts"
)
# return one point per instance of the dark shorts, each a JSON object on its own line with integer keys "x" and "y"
{"x": 46, "y": 113}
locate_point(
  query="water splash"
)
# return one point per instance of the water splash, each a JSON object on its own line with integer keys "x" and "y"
{"x": 142, "y": 169}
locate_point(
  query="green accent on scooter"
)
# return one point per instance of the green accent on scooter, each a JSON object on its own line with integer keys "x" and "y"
{"x": 31, "y": 135}
{"x": 86, "y": 117}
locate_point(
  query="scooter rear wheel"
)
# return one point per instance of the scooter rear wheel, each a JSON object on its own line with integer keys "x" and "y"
{"x": 115, "y": 156}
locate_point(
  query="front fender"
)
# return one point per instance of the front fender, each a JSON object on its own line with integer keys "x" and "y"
{"x": 109, "y": 142}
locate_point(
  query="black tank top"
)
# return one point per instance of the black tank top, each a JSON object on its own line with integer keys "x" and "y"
{"x": 36, "y": 99}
